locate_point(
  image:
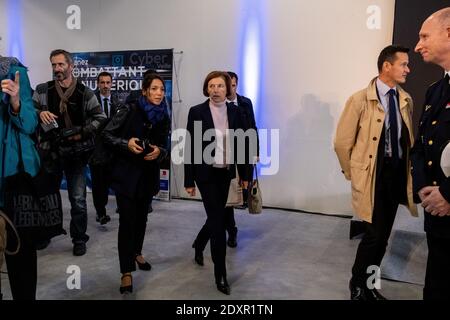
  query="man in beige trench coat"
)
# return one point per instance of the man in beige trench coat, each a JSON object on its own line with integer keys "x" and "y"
{"x": 373, "y": 139}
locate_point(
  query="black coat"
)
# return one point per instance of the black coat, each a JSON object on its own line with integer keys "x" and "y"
{"x": 433, "y": 134}
{"x": 202, "y": 172}
{"x": 245, "y": 106}
{"x": 133, "y": 176}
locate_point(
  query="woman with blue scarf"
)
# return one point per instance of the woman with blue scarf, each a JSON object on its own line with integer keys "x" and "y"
{"x": 138, "y": 133}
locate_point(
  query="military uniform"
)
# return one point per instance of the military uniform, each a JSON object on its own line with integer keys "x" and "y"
{"x": 433, "y": 134}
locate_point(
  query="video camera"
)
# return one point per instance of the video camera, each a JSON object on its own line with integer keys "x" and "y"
{"x": 54, "y": 133}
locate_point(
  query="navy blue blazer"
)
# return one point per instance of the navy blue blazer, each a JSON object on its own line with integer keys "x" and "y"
{"x": 433, "y": 134}
{"x": 202, "y": 172}
{"x": 102, "y": 154}
{"x": 248, "y": 115}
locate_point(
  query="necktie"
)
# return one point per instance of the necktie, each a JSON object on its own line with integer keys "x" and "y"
{"x": 446, "y": 86}
{"x": 105, "y": 107}
{"x": 393, "y": 127}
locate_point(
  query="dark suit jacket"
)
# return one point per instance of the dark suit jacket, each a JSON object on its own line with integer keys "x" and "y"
{"x": 433, "y": 134}
{"x": 102, "y": 154}
{"x": 114, "y": 103}
{"x": 246, "y": 107}
{"x": 202, "y": 172}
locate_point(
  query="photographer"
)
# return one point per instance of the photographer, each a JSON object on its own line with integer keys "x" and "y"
{"x": 138, "y": 132}
{"x": 75, "y": 115}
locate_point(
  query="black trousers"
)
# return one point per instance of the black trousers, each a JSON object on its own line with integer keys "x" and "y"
{"x": 437, "y": 277}
{"x": 230, "y": 226}
{"x": 214, "y": 196}
{"x": 230, "y": 223}
{"x": 132, "y": 225}
{"x": 101, "y": 180}
{"x": 389, "y": 189}
{"x": 22, "y": 269}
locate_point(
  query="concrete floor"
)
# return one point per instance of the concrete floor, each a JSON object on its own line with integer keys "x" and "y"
{"x": 280, "y": 255}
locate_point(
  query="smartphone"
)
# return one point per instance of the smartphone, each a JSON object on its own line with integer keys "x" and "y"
{"x": 146, "y": 146}
{"x": 52, "y": 125}
{"x": 140, "y": 143}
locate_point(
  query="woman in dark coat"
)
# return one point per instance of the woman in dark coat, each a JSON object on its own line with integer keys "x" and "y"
{"x": 213, "y": 176}
{"x": 138, "y": 132}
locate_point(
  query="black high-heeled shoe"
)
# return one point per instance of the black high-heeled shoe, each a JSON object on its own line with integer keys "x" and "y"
{"x": 198, "y": 255}
{"x": 128, "y": 288}
{"x": 143, "y": 266}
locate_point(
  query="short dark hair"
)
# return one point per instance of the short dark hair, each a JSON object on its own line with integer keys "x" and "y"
{"x": 389, "y": 54}
{"x": 217, "y": 74}
{"x": 148, "y": 80}
{"x": 233, "y": 75}
{"x": 66, "y": 54}
{"x": 104, "y": 74}
{"x": 149, "y": 71}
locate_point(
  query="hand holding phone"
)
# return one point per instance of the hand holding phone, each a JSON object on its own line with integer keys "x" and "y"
{"x": 146, "y": 146}
{"x": 52, "y": 125}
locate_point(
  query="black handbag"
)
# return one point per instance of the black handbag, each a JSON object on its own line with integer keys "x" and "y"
{"x": 34, "y": 203}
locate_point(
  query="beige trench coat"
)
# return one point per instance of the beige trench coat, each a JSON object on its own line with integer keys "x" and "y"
{"x": 356, "y": 144}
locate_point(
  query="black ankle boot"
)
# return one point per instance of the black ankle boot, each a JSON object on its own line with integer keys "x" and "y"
{"x": 232, "y": 238}
{"x": 198, "y": 254}
{"x": 221, "y": 281}
{"x": 224, "y": 287}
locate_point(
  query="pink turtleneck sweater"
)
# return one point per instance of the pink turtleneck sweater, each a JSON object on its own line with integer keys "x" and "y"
{"x": 220, "y": 118}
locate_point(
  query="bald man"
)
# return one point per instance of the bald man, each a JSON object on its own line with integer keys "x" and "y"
{"x": 431, "y": 187}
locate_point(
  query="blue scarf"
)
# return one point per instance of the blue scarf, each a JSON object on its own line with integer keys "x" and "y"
{"x": 154, "y": 113}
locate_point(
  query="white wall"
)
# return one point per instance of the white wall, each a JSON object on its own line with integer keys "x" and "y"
{"x": 314, "y": 55}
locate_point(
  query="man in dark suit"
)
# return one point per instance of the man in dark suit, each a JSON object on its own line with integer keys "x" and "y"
{"x": 100, "y": 163}
{"x": 245, "y": 107}
{"x": 431, "y": 187}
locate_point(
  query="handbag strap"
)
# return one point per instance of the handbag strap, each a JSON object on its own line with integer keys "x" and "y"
{"x": 256, "y": 171}
{"x": 4, "y": 216}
